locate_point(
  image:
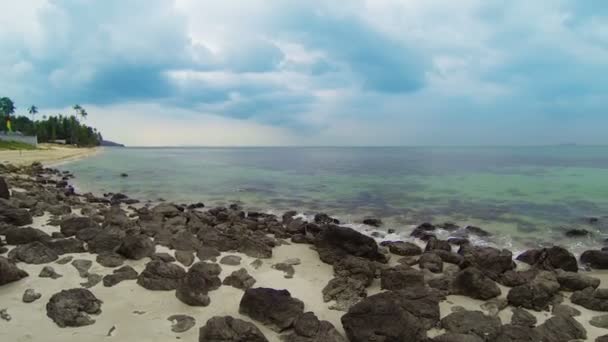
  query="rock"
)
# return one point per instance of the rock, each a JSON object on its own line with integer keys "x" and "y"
{"x": 33, "y": 253}
{"x": 72, "y": 225}
{"x": 105, "y": 242}
{"x": 449, "y": 257}
{"x": 523, "y": 317}
{"x": 599, "y": 321}
{"x": 595, "y": 259}
{"x": 517, "y": 333}
{"x": 231, "y": 260}
{"x": 181, "y": 323}
{"x": 257, "y": 263}
{"x": 494, "y": 306}
{"x": 59, "y": 209}
{"x": 185, "y": 241}
{"x": 15, "y": 216}
{"x": 9, "y": 272}
{"x": 561, "y": 329}
{"x": 229, "y": 329}
{"x": 71, "y": 308}
{"x": 65, "y": 246}
{"x": 603, "y": 338}
{"x": 82, "y": 266}
{"x": 453, "y": 337}
{"x": 4, "y": 315}
{"x": 207, "y": 253}
{"x": 550, "y": 259}
{"x": 472, "y": 322}
{"x": 402, "y": 248}
{"x": 118, "y": 275}
{"x": 356, "y": 268}
{"x": 164, "y": 257}
{"x": 565, "y": 310}
{"x": 308, "y": 328}
{"x": 491, "y": 261}
{"x": 536, "y": 295}
{"x": 185, "y": 258}
{"x": 591, "y": 299}
{"x": 254, "y": 248}
{"x": 65, "y": 260}
{"x": 110, "y": 259}
{"x": 273, "y": 308}
{"x": 574, "y": 232}
{"x": 477, "y": 231}
{"x": 431, "y": 262}
{"x": 161, "y": 276}
{"x": 286, "y": 268}
{"x": 136, "y": 247}
{"x": 345, "y": 291}
{"x": 513, "y": 278}
{"x": 374, "y": 222}
{"x": 323, "y": 218}
{"x": 239, "y": 279}
{"x": 25, "y": 235}
{"x": 433, "y": 244}
{"x": 30, "y": 295}
{"x": 335, "y": 243}
{"x": 423, "y": 231}
{"x": 4, "y": 190}
{"x": 398, "y": 278}
{"x": 570, "y": 281}
{"x": 87, "y": 234}
{"x": 473, "y": 283}
{"x": 201, "y": 278}
{"x": 92, "y": 280}
{"x": 49, "y": 272}
{"x": 382, "y": 317}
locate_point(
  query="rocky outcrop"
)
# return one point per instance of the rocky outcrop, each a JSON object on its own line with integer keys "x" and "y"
{"x": 71, "y": 308}
{"x": 201, "y": 278}
{"x": 431, "y": 261}
{"x": 273, "y": 308}
{"x": 356, "y": 268}
{"x": 229, "y": 329}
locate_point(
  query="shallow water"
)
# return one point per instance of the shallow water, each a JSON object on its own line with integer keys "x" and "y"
{"x": 525, "y": 195}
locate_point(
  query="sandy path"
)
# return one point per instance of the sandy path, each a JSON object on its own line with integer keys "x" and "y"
{"x": 46, "y": 154}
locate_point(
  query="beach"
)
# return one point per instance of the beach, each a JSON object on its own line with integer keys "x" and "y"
{"x": 47, "y": 154}
{"x": 436, "y": 287}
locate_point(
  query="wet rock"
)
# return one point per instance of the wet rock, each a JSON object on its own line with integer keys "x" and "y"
{"x": 473, "y": 283}
{"x": 570, "y": 281}
{"x": 273, "y": 308}
{"x": 30, "y": 295}
{"x": 92, "y": 280}
{"x": 49, "y": 272}
{"x": 229, "y": 329}
{"x": 550, "y": 259}
{"x": 71, "y": 308}
{"x": 565, "y": 310}
{"x": 119, "y": 275}
{"x": 477, "y": 231}
{"x": 334, "y": 243}
{"x": 9, "y": 272}
{"x": 356, "y": 268}
{"x": 382, "y": 317}
{"x": 575, "y": 232}
{"x": 398, "y": 278}
{"x": 136, "y": 247}
{"x": 491, "y": 261}
{"x": 110, "y": 259}
{"x": 72, "y": 225}
{"x": 25, "y": 235}
{"x": 323, "y": 218}
{"x": 308, "y": 328}
{"x": 201, "y": 278}
{"x": 536, "y": 295}
{"x": 423, "y": 231}
{"x": 561, "y": 329}
{"x": 371, "y": 221}
{"x": 33, "y": 253}
{"x": 82, "y": 266}
{"x": 595, "y": 259}
{"x": 181, "y": 323}
{"x": 345, "y": 291}
{"x": 285, "y": 268}
{"x": 523, "y": 317}
{"x": 161, "y": 276}
{"x": 592, "y": 299}
{"x": 231, "y": 260}
{"x": 207, "y": 253}
{"x": 431, "y": 262}
{"x": 239, "y": 279}
{"x": 185, "y": 258}
{"x": 472, "y": 322}
{"x": 402, "y": 248}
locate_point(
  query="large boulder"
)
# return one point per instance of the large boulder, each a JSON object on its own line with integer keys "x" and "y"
{"x": 334, "y": 243}
{"x": 33, "y": 253}
{"x": 491, "y": 261}
{"x": 592, "y": 299}
{"x": 561, "y": 329}
{"x": 431, "y": 261}
{"x": 161, "y": 276}
{"x": 345, "y": 291}
{"x": 473, "y": 283}
{"x": 65, "y": 246}
{"x": 254, "y": 248}
{"x": 105, "y": 242}
{"x": 570, "y": 281}
{"x": 21, "y": 236}
{"x": 4, "y": 190}
{"x": 550, "y": 259}
{"x": 15, "y": 216}
{"x": 71, "y": 308}
{"x": 9, "y": 272}
{"x": 136, "y": 247}
{"x": 308, "y": 328}
{"x": 357, "y": 268}
{"x": 382, "y": 317}
{"x": 401, "y": 277}
{"x": 229, "y": 329}
{"x": 536, "y": 295}
{"x": 72, "y": 225}
{"x": 273, "y": 308}
{"x": 595, "y": 259}
{"x": 201, "y": 278}
{"x": 472, "y": 322}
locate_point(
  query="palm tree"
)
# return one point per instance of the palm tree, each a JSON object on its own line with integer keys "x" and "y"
{"x": 80, "y": 111}
{"x": 33, "y": 111}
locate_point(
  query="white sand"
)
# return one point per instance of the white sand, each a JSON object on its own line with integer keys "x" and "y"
{"x": 47, "y": 154}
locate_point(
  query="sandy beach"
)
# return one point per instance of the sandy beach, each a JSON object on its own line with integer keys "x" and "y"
{"x": 47, "y": 154}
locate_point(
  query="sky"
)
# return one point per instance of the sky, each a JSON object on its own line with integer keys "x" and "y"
{"x": 310, "y": 72}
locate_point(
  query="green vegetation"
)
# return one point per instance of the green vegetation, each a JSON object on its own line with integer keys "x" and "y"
{"x": 15, "y": 145}
{"x": 51, "y": 128}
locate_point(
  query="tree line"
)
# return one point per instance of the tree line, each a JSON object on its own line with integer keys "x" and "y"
{"x": 50, "y": 128}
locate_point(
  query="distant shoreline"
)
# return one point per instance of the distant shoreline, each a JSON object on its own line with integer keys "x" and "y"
{"x": 48, "y": 155}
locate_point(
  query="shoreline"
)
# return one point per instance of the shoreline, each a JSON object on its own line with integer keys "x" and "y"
{"x": 49, "y": 155}
{"x": 287, "y": 237}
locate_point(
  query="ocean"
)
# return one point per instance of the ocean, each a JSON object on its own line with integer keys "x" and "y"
{"x": 524, "y": 196}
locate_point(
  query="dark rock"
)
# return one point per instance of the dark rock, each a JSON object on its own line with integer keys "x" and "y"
{"x": 229, "y": 329}
{"x": 207, "y": 253}
{"x": 449, "y": 257}
{"x": 285, "y": 268}
{"x": 161, "y": 276}
{"x": 472, "y": 322}
{"x": 517, "y": 333}
{"x": 491, "y": 261}
{"x": 595, "y": 259}
{"x": 345, "y": 291}
{"x": 565, "y": 310}
{"x": 30, "y": 295}
{"x": 181, "y": 323}
{"x": 186, "y": 258}
{"x": 561, "y": 329}
{"x": 323, "y": 218}
{"x": 9, "y": 272}
{"x": 453, "y": 337}
{"x": 49, "y": 272}
{"x": 72, "y": 225}
{"x": 513, "y": 278}
{"x": 201, "y": 278}
{"x": 335, "y": 243}
{"x": 436, "y": 244}
{"x": 550, "y": 259}
{"x": 536, "y": 295}
{"x": 59, "y": 209}
{"x": 185, "y": 241}
{"x": 308, "y": 328}
{"x": 273, "y": 308}
{"x": 477, "y": 231}
{"x": 118, "y": 275}
{"x": 88, "y": 234}
{"x": 402, "y": 248}
{"x": 473, "y": 283}
{"x": 105, "y": 242}
{"x": 71, "y": 308}
{"x": 599, "y": 321}
{"x": 577, "y": 232}
{"x": 431, "y": 262}
{"x": 603, "y": 338}
{"x": 374, "y": 222}
{"x": 591, "y": 299}
{"x": 231, "y": 260}
{"x": 25, "y": 235}
{"x": 398, "y": 278}
{"x": 15, "y": 216}
{"x": 523, "y": 317}
{"x": 33, "y": 253}
{"x": 356, "y": 268}
{"x": 4, "y": 190}
{"x": 423, "y": 231}
{"x": 65, "y": 260}
{"x": 82, "y": 266}
{"x": 254, "y": 248}
{"x": 494, "y": 306}
{"x": 136, "y": 247}
{"x": 239, "y": 279}
{"x": 92, "y": 280}
{"x": 570, "y": 281}
{"x": 65, "y": 246}
{"x": 110, "y": 259}
{"x": 164, "y": 257}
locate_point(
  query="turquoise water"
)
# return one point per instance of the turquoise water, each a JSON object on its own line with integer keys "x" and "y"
{"x": 526, "y": 193}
